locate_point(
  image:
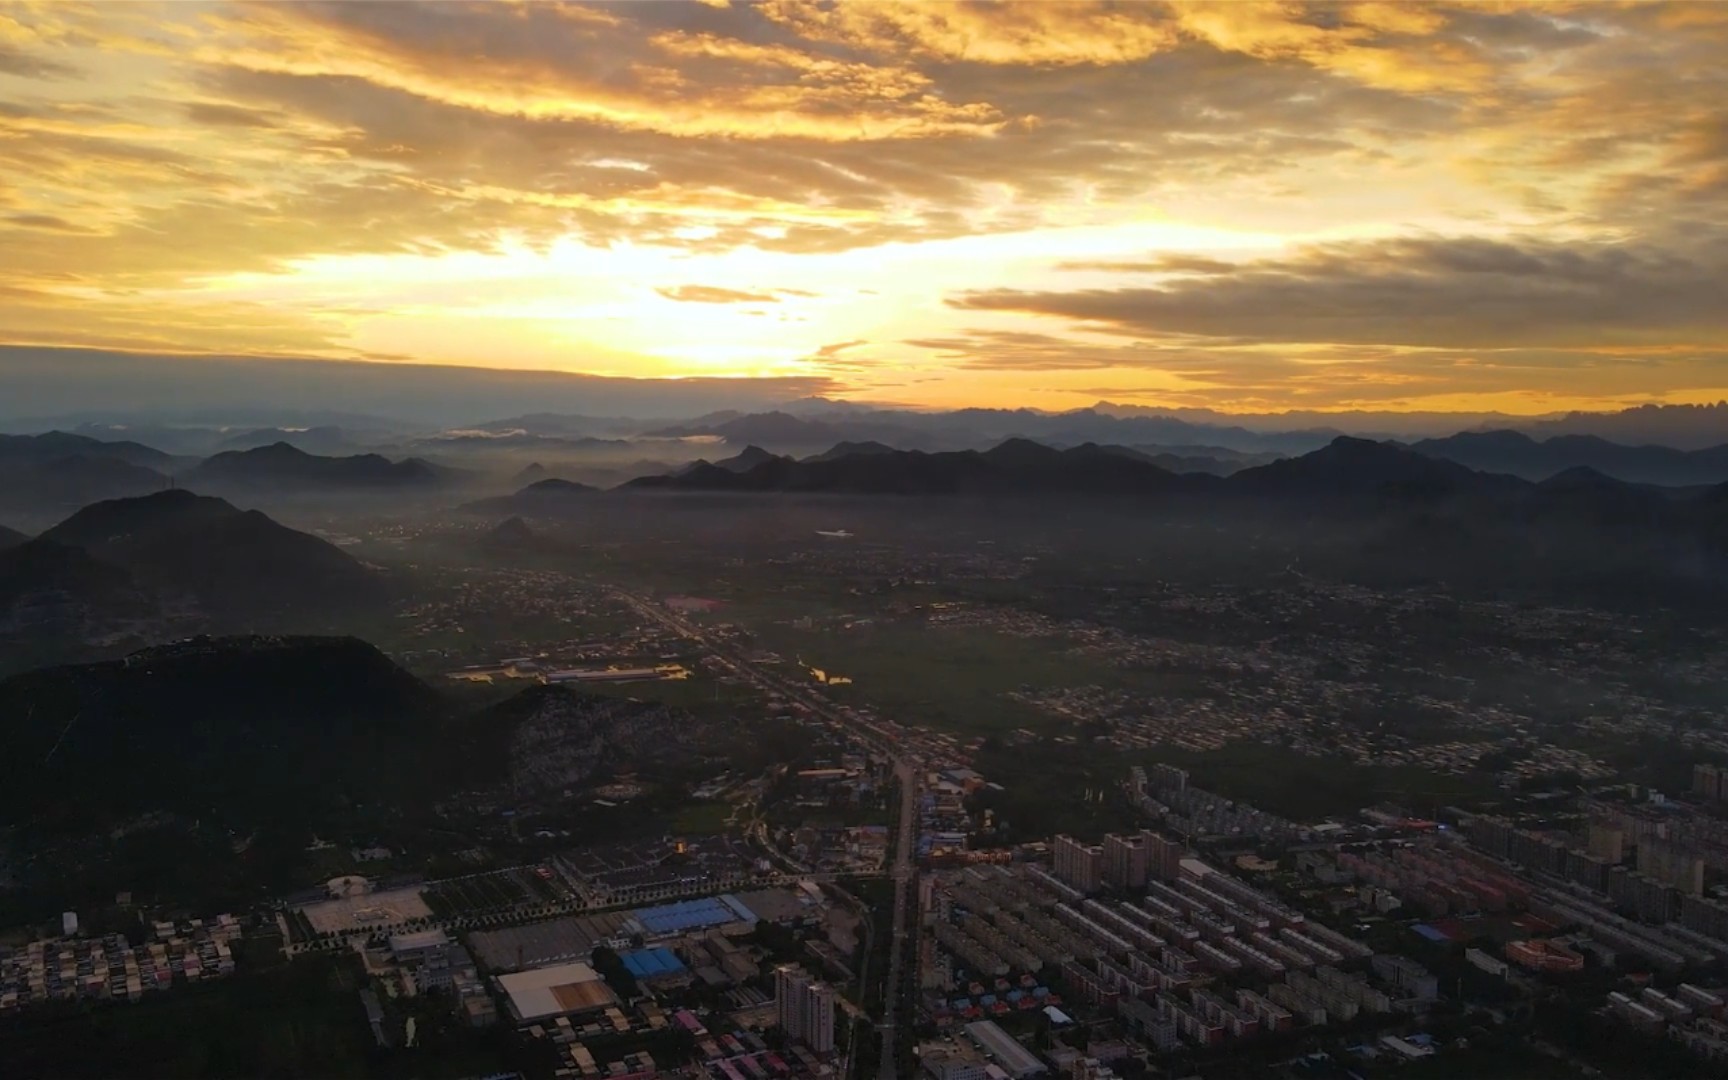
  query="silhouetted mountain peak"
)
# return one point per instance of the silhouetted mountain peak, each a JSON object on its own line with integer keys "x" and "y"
{"x": 282, "y": 464}
{"x": 1580, "y": 478}
{"x": 240, "y": 565}
{"x": 509, "y": 535}
{"x": 1497, "y": 440}
{"x": 539, "y": 498}
{"x": 556, "y": 487}
{"x": 746, "y": 459}
{"x": 852, "y": 449}
{"x": 115, "y": 520}
{"x": 1021, "y": 451}
{"x": 1348, "y": 466}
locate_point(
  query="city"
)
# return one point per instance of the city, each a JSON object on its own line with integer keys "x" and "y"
{"x": 863, "y": 540}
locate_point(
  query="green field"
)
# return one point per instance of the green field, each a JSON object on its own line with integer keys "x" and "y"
{"x": 1047, "y": 783}
{"x": 1305, "y": 788}
{"x": 954, "y": 680}
{"x": 701, "y": 819}
{"x": 1045, "y": 787}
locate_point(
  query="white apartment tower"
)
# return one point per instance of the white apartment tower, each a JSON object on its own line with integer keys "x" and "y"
{"x": 804, "y": 1008}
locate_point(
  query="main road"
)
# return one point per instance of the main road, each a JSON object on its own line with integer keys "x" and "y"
{"x": 904, "y": 839}
{"x": 884, "y": 740}
{"x": 907, "y": 771}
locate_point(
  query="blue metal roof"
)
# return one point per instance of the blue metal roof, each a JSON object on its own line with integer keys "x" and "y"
{"x": 692, "y": 914}
{"x": 651, "y": 963}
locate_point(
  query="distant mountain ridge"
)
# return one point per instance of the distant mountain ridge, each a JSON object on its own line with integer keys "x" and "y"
{"x": 778, "y": 428}
{"x": 1017, "y": 466}
{"x": 60, "y": 444}
{"x": 1350, "y": 467}
{"x": 1683, "y": 427}
{"x": 54, "y": 472}
{"x": 1521, "y": 455}
{"x": 328, "y": 440}
{"x": 283, "y": 466}
{"x": 1347, "y": 477}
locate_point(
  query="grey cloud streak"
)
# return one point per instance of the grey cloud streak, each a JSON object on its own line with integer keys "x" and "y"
{"x": 1440, "y": 293}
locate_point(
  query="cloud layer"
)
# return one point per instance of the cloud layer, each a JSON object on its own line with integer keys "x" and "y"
{"x": 1233, "y": 204}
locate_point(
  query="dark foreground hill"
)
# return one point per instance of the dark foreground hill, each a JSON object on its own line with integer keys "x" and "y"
{"x": 241, "y": 728}
{"x": 56, "y": 599}
{"x": 205, "y": 768}
{"x": 10, "y": 538}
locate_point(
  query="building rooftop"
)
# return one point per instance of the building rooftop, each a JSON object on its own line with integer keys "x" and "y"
{"x": 423, "y": 939}
{"x": 1002, "y": 1047}
{"x": 692, "y": 915}
{"x": 556, "y": 991}
{"x": 652, "y": 963}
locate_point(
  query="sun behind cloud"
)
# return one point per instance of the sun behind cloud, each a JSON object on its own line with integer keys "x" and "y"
{"x": 1230, "y": 205}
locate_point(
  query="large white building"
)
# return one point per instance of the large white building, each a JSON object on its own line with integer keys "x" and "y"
{"x": 560, "y": 990}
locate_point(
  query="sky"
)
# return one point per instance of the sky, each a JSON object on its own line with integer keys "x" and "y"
{"x": 1238, "y": 206}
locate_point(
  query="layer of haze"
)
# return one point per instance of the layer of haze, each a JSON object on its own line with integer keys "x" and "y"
{"x": 1239, "y": 206}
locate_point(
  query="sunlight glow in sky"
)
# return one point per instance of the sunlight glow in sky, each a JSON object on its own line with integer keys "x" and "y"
{"x": 1240, "y": 206}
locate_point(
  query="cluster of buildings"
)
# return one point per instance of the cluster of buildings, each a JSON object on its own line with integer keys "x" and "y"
{"x": 1680, "y": 828}
{"x": 1120, "y": 860}
{"x": 1431, "y": 879}
{"x": 982, "y": 1050}
{"x": 109, "y": 968}
{"x": 428, "y": 961}
{"x": 944, "y": 824}
{"x": 477, "y": 594}
{"x": 548, "y": 982}
{"x": 1666, "y": 874}
{"x": 744, "y": 1055}
{"x": 1624, "y": 890}
{"x": 1133, "y": 928}
{"x": 1273, "y": 686}
{"x": 1163, "y": 793}
{"x": 1689, "y": 1015}
{"x": 657, "y": 869}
